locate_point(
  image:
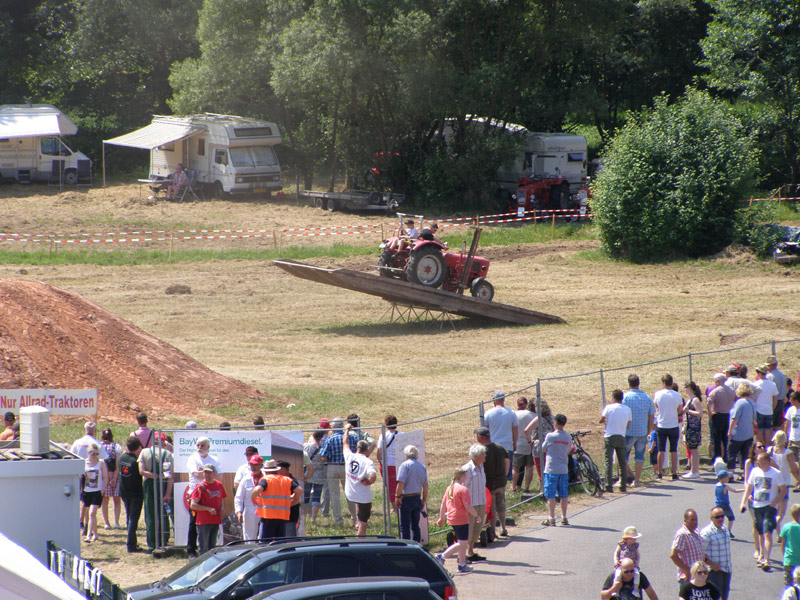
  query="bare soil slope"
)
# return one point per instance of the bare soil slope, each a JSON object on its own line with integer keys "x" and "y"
{"x": 57, "y": 339}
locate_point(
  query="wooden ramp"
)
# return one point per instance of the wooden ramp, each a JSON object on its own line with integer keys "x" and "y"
{"x": 402, "y": 292}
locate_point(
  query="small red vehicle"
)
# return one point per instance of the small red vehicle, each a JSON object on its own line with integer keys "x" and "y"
{"x": 427, "y": 262}
{"x": 552, "y": 193}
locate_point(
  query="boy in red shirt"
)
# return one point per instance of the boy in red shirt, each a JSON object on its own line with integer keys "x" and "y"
{"x": 206, "y": 501}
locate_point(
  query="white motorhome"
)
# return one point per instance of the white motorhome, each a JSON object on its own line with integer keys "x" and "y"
{"x": 225, "y": 153}
{"x": 539, "y": 155}
{"x": 31, "y": 148}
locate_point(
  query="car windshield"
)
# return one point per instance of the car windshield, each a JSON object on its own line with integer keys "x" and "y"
{"x": 219, "y": 581}
{"x": 253, "y": 156}
{"x": 196, "y": 570}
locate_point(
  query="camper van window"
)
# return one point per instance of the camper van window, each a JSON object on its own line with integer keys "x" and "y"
{"x": 253, "y": 156}
{"x": 252, "y": 131}
{"x": 221, "y": 157}
{"x": 53, "y": 147}
{"x": 575, "y": 157}
{"x": 201, "y": 147}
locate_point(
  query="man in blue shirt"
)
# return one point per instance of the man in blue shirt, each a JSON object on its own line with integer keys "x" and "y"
{"x": 333, "y": 454}
{"x": 642, "y": 424}
{"x": 411, "y": 497}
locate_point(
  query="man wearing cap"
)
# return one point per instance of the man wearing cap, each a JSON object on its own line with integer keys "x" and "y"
{"x": 206, "y": 501}
{"x": 733, "y": 379}
{"x": 244, "y": 470}
{"x": 194, "y": 464}
{"x": 717, "y": 546}
{"x": 720, "y": 402}
{"x": 503, "y": 426}
{"x": 8, "y": 433}
{"x": 411, "y": 229}
{"x": 642, "y": 423}
{"x": 242, "y": 505}
{"x": 766, "y": 399}
{"x": 333, "y": 456}
{"x": 361, "y": 475}
{"x": 496, "y": 469}
{"x": 625, "y": 587}
{"x": 779, "y": 379}
{"x": 272, "y": 497}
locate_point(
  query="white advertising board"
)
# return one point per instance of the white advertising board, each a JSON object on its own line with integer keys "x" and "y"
{"x": 58, "y": 402}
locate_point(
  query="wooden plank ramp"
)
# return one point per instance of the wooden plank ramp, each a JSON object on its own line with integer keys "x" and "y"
{"x": 405, "y": 293}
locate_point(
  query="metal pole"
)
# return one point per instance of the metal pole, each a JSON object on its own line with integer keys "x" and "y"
{"x": 481, "y": 418}
{"x": 690, "y": 367}
{"x": 772, "y": 345}
{"x": 539, "y": 416}
{"x": 387, "y": 501}
{"x": 603, "y": 386}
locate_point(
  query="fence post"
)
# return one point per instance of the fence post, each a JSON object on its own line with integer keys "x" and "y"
{"x": 690, "y": 367}
{"x": 603, "y": 386}
{"x": 481, "y": 418}
{"x": 387, "y": 501}
{"x": 538, "y": 413}
{"x": 772, "y": 345}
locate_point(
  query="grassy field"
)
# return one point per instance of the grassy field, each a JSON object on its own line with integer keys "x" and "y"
{"x": 325, "y": 352}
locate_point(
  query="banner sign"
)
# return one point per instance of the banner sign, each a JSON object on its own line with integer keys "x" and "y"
{"x": 226, "y": 446}
{"x": 58, "y": 402}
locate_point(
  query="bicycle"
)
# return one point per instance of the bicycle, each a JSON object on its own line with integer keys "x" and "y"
{"x": 583, "y": 470}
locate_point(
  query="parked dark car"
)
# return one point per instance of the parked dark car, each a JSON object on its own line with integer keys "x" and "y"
{"x": 193, "y": 572}
{"x": 283, "y": 563}
{"x": 362, "y": 588}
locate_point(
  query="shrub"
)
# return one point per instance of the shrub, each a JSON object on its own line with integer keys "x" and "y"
{"x": 671, "y": 180}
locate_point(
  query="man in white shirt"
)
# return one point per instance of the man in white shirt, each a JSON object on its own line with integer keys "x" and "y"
{"x": 360, "y": 474}
{"x": 503, "y": 426}
{"x": 766, "y": 486}
{"x": 669, "y": 406}
{"x": 244, "y": 470}
{"x": 766, "y": 398}
{"x": 80, "y": 446}
{"x": 242, "y": 503}
{"x": 617, "y": 418}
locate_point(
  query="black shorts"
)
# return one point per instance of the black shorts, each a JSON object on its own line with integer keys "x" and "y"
{"x": 672, "y": 434}
{"x": 92, "y": 498}
{"x": 364, "y": 511}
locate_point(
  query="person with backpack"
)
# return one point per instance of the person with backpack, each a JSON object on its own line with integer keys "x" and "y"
{"x": 114, "y": 450}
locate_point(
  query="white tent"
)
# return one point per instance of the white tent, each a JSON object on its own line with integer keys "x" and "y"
{"x": 22, "y": 577}
{"x": 28, "y": 120}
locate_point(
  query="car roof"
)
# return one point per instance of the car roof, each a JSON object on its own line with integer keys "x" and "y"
{"x": 323, "y": 587}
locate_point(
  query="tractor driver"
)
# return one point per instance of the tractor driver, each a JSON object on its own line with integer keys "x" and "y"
{"x": 429, "y": 233}
{"x": 410, "y": 231}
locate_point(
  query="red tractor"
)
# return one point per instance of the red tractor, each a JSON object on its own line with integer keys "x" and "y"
{"x": 424, "y": 260}
{"x": 551, "y": 193}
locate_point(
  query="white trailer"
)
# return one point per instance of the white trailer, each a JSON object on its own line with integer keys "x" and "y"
{"x": 224, "y": 153}
{"x": 539, "y": 155}
{"x": 31, "y": 148}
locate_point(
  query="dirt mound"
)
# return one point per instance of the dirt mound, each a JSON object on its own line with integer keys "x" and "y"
{"x": 50, "y": 338}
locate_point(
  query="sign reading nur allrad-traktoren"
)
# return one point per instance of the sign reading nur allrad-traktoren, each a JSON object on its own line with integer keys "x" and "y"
{"x": 58, "y": 402}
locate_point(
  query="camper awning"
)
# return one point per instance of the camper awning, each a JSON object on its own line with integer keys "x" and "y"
{"x": 35, "y": 120}
{"x": 22, "y": 577}
{"x": 154, "y": 135}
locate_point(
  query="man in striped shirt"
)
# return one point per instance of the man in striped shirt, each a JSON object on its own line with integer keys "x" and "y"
{"x": 476, "y": 485}
{"x": 717, "y": 545}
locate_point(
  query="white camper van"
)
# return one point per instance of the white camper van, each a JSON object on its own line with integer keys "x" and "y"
{"x": 31, "y": 148}
{"x": 224, "y": 153}
{"x": 540, "y": 155}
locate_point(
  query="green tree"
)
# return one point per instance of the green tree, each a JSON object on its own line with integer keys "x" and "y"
{"x": 752, "y": 50}
{"x": 672, "y": 179}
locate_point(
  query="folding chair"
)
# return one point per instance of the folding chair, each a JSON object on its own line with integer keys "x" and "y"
{"x": 191, "y": 188}
{"x": 84, "y": 172}
{"x": 56, "y": 173}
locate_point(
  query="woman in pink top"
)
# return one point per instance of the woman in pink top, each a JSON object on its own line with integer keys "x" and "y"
{"x": 457, "y": 505}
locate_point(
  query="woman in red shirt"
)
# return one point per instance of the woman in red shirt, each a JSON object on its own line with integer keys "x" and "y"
{"x": 457, "y": 505}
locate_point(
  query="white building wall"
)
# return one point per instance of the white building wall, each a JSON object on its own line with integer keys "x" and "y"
{"x": 35, "y": 506}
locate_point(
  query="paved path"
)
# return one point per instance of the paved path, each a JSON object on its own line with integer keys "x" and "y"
{"x": 561, "y": 563}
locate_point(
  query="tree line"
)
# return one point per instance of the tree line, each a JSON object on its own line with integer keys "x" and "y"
{"x": 362, "y": 83}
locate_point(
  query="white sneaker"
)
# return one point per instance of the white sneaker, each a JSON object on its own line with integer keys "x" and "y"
{"x": 690, "y": 476}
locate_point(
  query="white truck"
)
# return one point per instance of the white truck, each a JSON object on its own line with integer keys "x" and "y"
{"x": 223, "y": 153}
{"x": 31, "y": 149}
{"x": 539, "y": 156}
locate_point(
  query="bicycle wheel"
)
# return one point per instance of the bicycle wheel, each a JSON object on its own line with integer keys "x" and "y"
{"x": 590, "y": 477}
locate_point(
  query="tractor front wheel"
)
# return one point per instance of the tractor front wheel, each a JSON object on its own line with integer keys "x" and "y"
{"x": 386, "y": 260}
{"x": 427, "y": 267}
{"x": 482, "y": 289}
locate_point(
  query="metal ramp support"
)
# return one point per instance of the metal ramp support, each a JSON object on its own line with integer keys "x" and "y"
{"x": 408, "y": 313}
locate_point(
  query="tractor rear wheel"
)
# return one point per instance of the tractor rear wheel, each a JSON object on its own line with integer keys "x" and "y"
{"x": 386, "y": 260}
{"x": 482, "y": 289}
{"x": 427, "y": 267}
